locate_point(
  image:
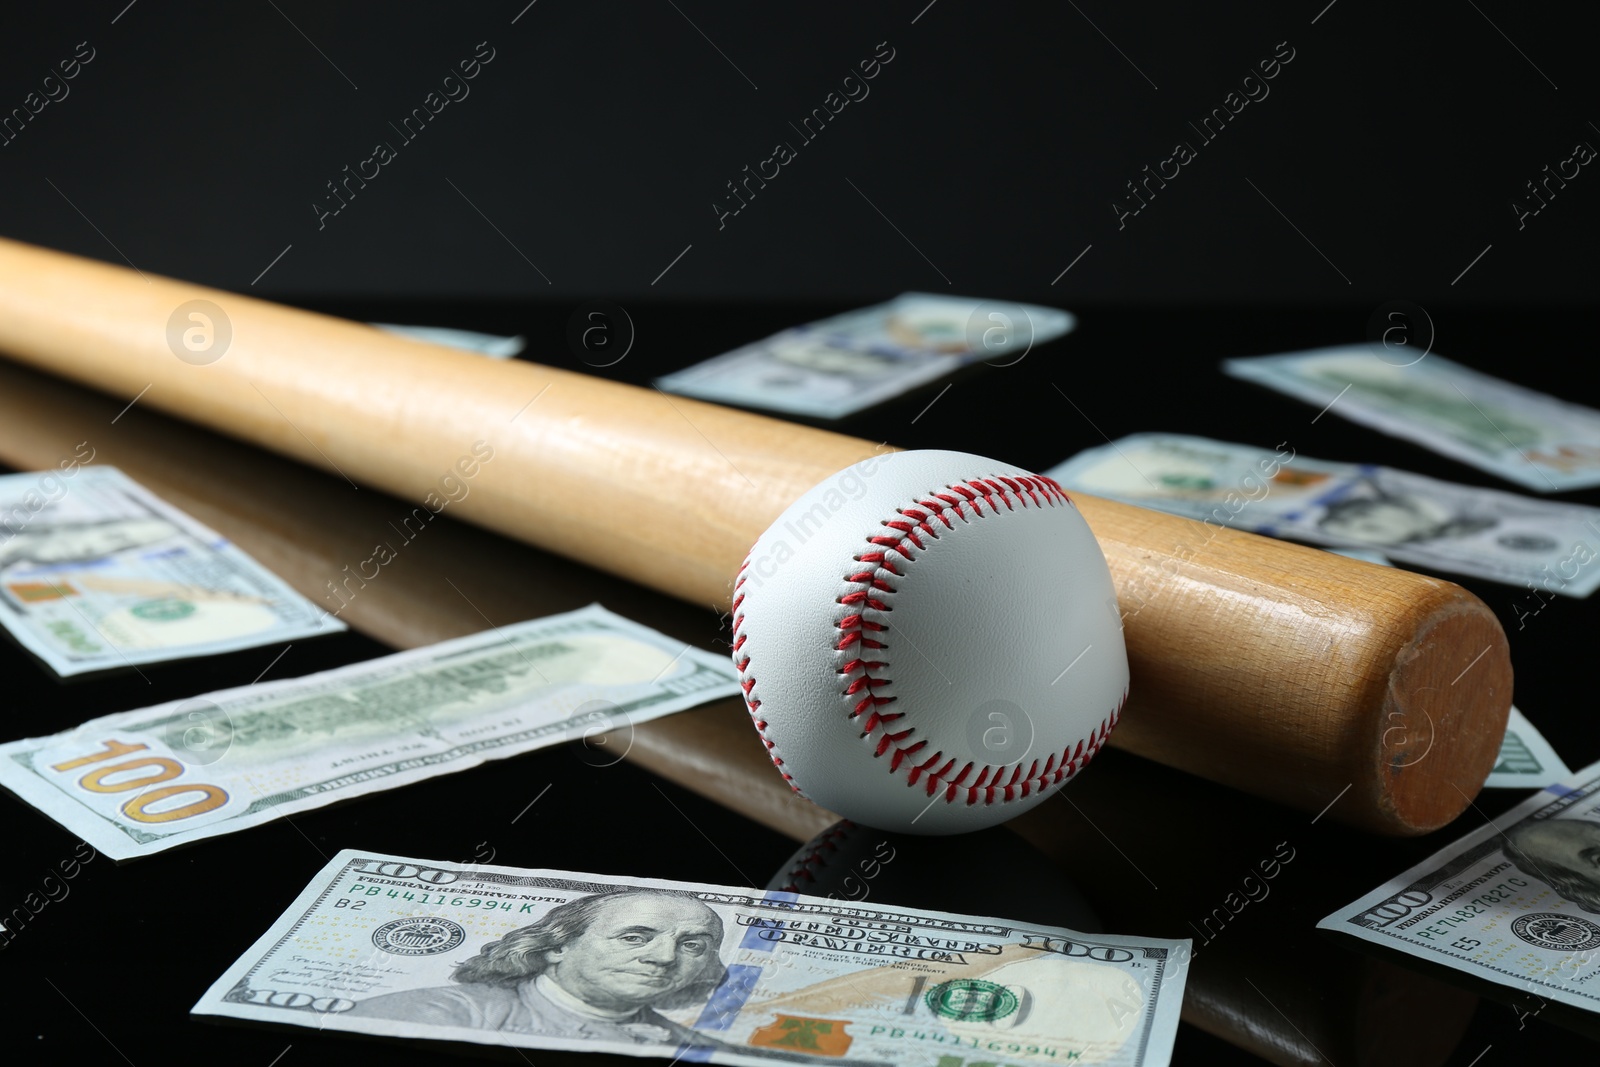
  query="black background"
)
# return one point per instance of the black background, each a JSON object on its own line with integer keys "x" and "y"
{"x": 996, "y": 141}
{"x": 594, "y": 145}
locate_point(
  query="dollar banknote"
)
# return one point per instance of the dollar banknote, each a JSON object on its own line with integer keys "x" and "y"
{"x": 1516, "y": 902}
{"x": 96, "y": 572}
{"x": 144, "y": 781}
{"x": 1407, "y": 517}
{"x": 1526, "y": 759}
{"x": 837, "y": 366}
{"x": 413, "y": 948}
{"x": 485, "y": 344}
{"x": 1521, "y": 435}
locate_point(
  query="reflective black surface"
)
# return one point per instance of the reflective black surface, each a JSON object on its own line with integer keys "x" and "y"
{"x": 110, "y": 969}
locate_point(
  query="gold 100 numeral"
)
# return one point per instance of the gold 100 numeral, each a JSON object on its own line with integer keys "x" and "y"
{"x": 162, "y": 769}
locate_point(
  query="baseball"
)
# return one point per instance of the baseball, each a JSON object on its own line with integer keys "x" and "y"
{"x": 929, "y": 642}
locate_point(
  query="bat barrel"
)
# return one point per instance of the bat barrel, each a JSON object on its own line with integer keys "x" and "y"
{"x": 1291, "y": 673}
{"x": 1302, "y": 675}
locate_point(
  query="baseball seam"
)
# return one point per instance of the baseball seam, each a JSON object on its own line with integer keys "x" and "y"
{"x": 747, "y": 681}
{"x": 885, "y": 730}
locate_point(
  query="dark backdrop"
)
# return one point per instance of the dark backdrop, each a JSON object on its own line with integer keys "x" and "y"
{"x": 986, "y": 157}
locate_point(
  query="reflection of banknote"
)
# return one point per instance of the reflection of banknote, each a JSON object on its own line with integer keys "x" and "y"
{"x": 549, "y": 959}
{"x": 142, "y": 781}
{"x": 485, "y": 344}
{"x": 1526, "y": 759}
{"x": 96, "y": 572}
{"x": 1521, "y": 435}
{"x": 837, "y": 366}
{"x": 1515, "y": 902}
{"x": 1409, "y": 518}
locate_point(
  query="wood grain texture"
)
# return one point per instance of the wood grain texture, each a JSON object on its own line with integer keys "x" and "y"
{"x": 1288, "y": 672}
{"x": 1154, "y": 850}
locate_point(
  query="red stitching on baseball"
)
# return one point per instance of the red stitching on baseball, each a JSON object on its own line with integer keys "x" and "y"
{"x": 747, "y": 681}
{"x": 1012, "y": 491}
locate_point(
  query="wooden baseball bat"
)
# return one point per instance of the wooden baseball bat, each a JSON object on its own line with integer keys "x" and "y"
{"x": 1132, "y": 826}
{"x": 1284, "y": 671}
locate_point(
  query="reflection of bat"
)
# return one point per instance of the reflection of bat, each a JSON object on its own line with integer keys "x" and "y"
{"x": 1270, "y": 667}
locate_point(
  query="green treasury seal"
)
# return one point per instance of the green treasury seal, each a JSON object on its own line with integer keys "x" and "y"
{"x": 972, "y": 1000}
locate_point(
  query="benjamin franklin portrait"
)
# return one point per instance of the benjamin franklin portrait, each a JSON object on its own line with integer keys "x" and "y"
{"x": 80, "y": 542}
{"x": 596, "y": 968}
{"x": 1563, "y": 853}
{"x": 1384, "y": 518}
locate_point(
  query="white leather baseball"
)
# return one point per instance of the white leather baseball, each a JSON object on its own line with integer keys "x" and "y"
{"x": 929, "y": 642}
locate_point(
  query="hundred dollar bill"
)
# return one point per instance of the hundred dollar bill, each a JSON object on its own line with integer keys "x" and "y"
{"x": 551, "y": 959}
{"x": 144, "y": 781}
{"x": 1515, "y": 902}
{"x": 1526, "y": 759}
{"x": 1519, "y": 434}
{"x": 1408, "y": 517}
{"x": 838, "y": 366}
{"x": 96, "y": 572}
{"x": 485, "y": 344}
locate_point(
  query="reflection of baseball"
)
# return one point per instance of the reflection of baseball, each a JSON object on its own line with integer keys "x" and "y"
{"x": 929, "y": 642}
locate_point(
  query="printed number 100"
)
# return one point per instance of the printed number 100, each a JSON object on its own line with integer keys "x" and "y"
{"x": 162, "y": 769}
